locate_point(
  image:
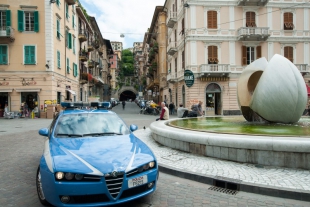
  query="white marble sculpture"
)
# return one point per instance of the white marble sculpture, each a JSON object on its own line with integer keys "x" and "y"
{"x": 274, "y": 91}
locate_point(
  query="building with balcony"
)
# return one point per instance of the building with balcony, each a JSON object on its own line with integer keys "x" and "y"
{"x": 156, "y": 66}
{"x": 37, "y": 68}
{"x": 117, "y": 48}
{"x": 217, "y": 40}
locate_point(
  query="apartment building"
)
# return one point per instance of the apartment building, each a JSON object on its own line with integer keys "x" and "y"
{"x": 117, "y": 48}
{"x": 216, "y": 40}
{"x": 38, "y": 54}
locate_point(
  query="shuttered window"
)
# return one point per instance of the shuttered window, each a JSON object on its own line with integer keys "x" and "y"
{"x": 67, "y": 11}
{"x": 75, "y": 71}
{"x": 258, "y": 52}
{"x": 212, "y": 55}
{"x": 58, "y": 59}
{"x": 68, "y": 65}
{"x": 175, "y": 65}
{"x": 288, "y": 21}
{"x": 58, "y": 28}
{"x": 243, "y": 58}
{"x": 29, "y": 55}
{"x": 183, "y": 59}
{"x": 3, "y": 54}
{"x": 182, "y": 31}
{"x": 73, "y": 21}
{"x": 212, "y": 20}
{"x": 5, "y": 19}
{"x": 58, "y": 2}
{"x": 28, "y": 21}
{"x": 288, "y": 53}
{"x": 73, "y": 45}
{"x": 250, "y": 19}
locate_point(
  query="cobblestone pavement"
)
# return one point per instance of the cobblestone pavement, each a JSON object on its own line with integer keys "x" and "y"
{"x": 21, "y": 148}
{"x": 273, "y": 177}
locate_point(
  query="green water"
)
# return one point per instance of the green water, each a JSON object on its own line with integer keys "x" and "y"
{"x": 238, "y": 125}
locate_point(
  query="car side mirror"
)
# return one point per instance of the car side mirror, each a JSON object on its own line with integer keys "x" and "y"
{"x": 43, "y": 132}
{"x": 133, "y": 127}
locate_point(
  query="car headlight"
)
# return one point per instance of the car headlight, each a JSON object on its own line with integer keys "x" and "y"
{"x": 78, "y": 176}
{"x": 69, "y": 176}
{"x": 59, "y": 175}
{"x": 151, "y": 164}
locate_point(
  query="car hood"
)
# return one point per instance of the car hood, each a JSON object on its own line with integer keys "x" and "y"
{"x": 99, "y": 155}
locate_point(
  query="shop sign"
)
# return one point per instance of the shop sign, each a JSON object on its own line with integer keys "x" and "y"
{"x": 189, "y": 78}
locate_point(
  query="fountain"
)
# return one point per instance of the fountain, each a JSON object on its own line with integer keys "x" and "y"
{"x": 272, "y": 97}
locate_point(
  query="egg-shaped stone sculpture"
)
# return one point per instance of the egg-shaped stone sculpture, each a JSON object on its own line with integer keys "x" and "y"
{"x": 280, "y": 94}
{"x": 246, "y": 86}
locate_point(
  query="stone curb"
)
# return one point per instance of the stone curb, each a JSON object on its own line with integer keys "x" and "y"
{"x": 243, "y": 186}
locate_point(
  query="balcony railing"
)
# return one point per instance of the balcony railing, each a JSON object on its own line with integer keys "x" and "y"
{"x": 172, "y": 19}
{"x": 172, "y": 48}
{"x": 252, "y": 2}
{"x": 172, "y": 77}
{"x": 215, "y": 70}
{"x": 303, "y": 68}
{"x": 82, "y": 35}
{"x": 83, "y": 56}
{"x": 7, "y": 33}
{"x": 253, "y": 33}
{"x": 90, "y": 46}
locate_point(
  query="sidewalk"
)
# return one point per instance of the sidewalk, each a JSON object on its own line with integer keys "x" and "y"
{"x": 267, "y": 180}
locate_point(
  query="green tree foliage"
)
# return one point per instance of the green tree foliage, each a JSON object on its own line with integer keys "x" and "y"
{"x": 127, "y": 63}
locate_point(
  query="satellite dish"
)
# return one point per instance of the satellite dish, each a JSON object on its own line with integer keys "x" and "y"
{"x": 122, "y": 35}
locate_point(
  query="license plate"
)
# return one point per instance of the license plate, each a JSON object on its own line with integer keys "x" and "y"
{"x": 137, "y": 181}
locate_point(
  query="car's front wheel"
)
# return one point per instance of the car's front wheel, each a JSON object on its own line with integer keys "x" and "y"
{"x": 40, "y": 189}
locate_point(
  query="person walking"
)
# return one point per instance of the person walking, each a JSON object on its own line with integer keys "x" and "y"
{"x": 164, "y": 115}
{"x": 123, "y": 103}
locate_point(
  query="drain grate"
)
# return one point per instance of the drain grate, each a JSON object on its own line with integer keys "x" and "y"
{"x": 223, "y": 190}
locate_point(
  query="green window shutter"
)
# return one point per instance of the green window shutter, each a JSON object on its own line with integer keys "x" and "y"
{"x": 74, "y": 70}
{"x": 8, "y": 18}
{"x": 70, "y": 41}
{"x": 58, "y": 2}
{"x": 67, "y": 38}
{"x": 67, "y": 14}
{"x": 30, "y": 55}
{"x": 36, "y": 21}
{"x": 58, "y": 59}
{"x": 58, "y": 29}
{"x": 3, "y": 55}
{"x": 20, "y": 19}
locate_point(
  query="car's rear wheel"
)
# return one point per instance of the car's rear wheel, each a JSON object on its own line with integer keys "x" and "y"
{"x": 40, "y": 189}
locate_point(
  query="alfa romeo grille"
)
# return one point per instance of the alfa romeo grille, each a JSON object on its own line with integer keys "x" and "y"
{"x": 114, "y": 184}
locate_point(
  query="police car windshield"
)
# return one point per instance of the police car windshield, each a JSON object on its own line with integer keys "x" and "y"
{"x": 90, "y": 125}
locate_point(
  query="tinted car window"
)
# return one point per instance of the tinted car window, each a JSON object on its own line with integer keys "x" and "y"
{"x": 90, "y": 124}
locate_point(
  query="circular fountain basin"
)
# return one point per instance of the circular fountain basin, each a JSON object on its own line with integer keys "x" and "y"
{"x": 232, "y": 138}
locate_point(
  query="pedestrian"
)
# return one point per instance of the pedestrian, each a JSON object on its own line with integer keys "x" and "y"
{"x": 182, "y": 112}
{"x": 123, "y": 103}
{"x": 173, "y": 108}
{"x": 164, "y": 115}
{"x": 170, "y": 108}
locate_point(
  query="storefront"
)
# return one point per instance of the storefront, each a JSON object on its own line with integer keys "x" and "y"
{"x": 29, "y": 99}
{"x": 4, "y": 99}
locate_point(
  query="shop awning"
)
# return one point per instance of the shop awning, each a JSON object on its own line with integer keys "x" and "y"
{"x": 72, "y": 92}
{"x": 5, "y": 90}
{"x": 28, "y": 89}
{"x": 308, "y": 89}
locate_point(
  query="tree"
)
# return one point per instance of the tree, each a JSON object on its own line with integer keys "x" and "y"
{"x": 127, "y": 63}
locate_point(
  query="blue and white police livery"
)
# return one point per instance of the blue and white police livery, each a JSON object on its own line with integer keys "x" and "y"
{"x": 91, "y": 158}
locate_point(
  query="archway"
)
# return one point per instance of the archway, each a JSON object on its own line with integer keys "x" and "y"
{"x": 213, "y": 99}
{"x": 127, "y": 95}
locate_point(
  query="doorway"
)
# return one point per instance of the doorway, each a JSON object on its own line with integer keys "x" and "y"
{"x": 213, "y": 100}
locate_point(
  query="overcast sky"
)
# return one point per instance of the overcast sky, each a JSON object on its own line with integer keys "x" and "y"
{"x": 115, "y": 17}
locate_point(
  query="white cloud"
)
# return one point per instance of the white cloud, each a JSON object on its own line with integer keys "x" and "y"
{"x": 122, "y": 16}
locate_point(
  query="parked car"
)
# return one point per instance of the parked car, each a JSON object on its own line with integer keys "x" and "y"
{"x": 91, "y": 158}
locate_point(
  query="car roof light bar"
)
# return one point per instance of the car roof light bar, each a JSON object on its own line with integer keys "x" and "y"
{"x": 71, "y": 105}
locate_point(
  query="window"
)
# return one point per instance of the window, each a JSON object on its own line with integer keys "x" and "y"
{"x": 288, "y": 21}
{"x": 69, "y": 39}
{"x": 68, "y": 65}
{"x": 58, "y": 2}
{"x": 249, "y": 54}
{"x": 288, "y": 53}
{"x": 29, "y": 55}
{"x": 212, "y": 19}
{"x": 28, "y": 21}
{"x": 67, "y": 11}
{"x": 176, "y": 65}
{"x": 212, "y": 55}
{"x": 75, "y": 70}
{"x": 182, "y": 31}
{"x": 5, "y": 19}
{"x": 183, "y": 59}
{"x": 250, "y": 19}
{"x": 73, "y": 45}
{"x": 58, "y": 60}
{"x": 3, "y": 54}
{"x": 73, "y": 21}
{"x": 58, "y": 28}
